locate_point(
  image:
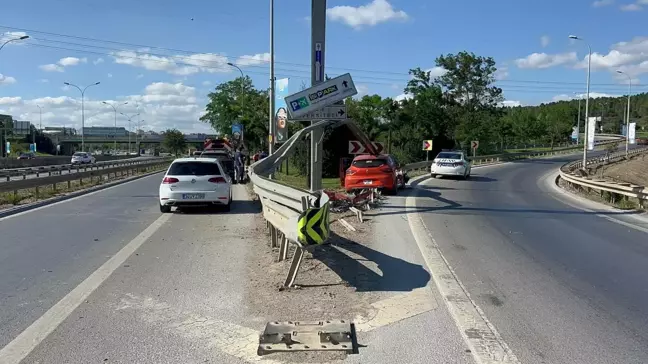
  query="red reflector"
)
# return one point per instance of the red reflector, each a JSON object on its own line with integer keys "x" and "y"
{"x": 350, "y": 172}
{"x": 168, "y": 180}
{"x": 217, "y": 180}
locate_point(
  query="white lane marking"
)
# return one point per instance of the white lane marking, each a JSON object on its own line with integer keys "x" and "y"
{"x": 32, "y": 336}
{"x": 397, "y": 308}
{"x": 480, "y": 335}
{"x": 549, "y": 180}
{"x": 78, "y": 197}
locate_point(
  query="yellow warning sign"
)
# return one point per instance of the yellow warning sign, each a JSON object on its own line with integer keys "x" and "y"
{"x": 313, "y": 226}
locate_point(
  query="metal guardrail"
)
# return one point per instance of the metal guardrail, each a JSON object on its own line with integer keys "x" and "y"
{"x": 53, "y": 180}
{"x": 9, "y": 174}
{"x": 569, "y": 173}
{"x": 285, "y": 207}
{"x": 507, "y": 157}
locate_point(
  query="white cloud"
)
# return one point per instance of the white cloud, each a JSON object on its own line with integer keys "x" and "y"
{"x": 544, "y": 60}
{"x": 51, "y": 67}
{"x": 362, "y": 90}
{"x": 600, "y": 3}
{"x": 139, "y": 76}
{"x": 377, "y": 11}
{"x": 510, "y": 103}
{"x": 98, "y": 60}
{"x": 403, "y": 97}
{"x": 592, "y": 95}
{"x": 630, "y": 57}
{"x": 254, "y": 60}
{"x": 502, "y": 73}
{"x": 6, "y": 80}
{"x": 71, "y": 61}
{"x": 43, "y": 80}
{"x": 630, "y": 7}
{"x": 176, "y": 65}
{"x": 161, "y": 106}
{"x": 436, "y": 72}
{"x": 544, "y": 40}
{"x": 109, "y": 75}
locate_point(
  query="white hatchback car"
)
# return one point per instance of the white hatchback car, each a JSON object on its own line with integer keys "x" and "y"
{"x": 82, "y": 158}
{"x": 195, "y": 182}
{"x": 450, "y": 164}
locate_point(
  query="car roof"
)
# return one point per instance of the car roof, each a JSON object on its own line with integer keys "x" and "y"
{"x": 364, "y": 157}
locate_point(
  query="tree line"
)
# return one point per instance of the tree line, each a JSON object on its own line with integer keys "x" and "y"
{"x": 462, "y": 105}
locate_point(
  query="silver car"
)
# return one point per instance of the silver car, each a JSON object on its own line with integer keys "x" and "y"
{"x": 82, "y": 158}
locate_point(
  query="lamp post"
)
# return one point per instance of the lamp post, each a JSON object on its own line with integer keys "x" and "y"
{"x": 129, "y": 132}
{"x": 40, "y": 122}
{"x": 579, "y": 117}
{"x": 589, "y": 70}
{"x": 82, "y": 109}
{"x": 628, "y": 111}
{"x": 13, "y": 40}
{"x": 115, "y": 129}
{"x": 237, "y": 67}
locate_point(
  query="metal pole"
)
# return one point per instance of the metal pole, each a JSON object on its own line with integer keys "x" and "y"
{"x": 627, "y": 112}
{"x": 589, "y": 70}
{"x": 579, "y": 120}
{"x": 82, "y": 122}
{"x": 272, "y": 83}
{"x": 318, "y": 48}
{"x": 13, "y": 40}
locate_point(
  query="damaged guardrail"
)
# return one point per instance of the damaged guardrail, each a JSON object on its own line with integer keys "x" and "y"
{"x": 572, "y": 174}
{"x": 294, "y": 215}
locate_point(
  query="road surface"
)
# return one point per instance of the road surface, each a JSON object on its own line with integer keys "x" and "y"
{"x": 561, "y": 285}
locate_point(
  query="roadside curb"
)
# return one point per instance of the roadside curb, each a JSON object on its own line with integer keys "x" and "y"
{"x": 52, "y": 200}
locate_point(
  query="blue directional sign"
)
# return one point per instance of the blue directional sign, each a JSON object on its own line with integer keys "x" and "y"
{"x": 237, "y": 130}
{"x": 319, "y": 70}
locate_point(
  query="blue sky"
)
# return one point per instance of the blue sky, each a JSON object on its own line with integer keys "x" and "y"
{"x": 377, "y": 41}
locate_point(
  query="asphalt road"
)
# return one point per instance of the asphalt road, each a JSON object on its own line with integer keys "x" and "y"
{"x": 561, "y": 285}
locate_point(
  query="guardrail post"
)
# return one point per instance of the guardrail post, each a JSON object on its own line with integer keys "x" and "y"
{"x": 273, "y": 237}
{"x": 36, "y": 192}
{"x": 283, "y": 248}
{"x": 294, "y": 267}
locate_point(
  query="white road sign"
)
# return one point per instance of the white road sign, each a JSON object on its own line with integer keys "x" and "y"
{"x": 320, "y": 96}
{"x": 334, "y": 112}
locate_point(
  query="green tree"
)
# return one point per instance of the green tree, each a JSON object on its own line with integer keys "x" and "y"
{"x": 238, "y": 101}
{"x": 174, "y": 141}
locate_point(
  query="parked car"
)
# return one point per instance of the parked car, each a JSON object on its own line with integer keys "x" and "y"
{"x": 29, "y": 155}
{"x": 452, "y": 163}
{"x": 224, "y": 157}
{"x": 83, "y": 158}
{"x": 374, "y": 171}
{"x": 195, "y": 182}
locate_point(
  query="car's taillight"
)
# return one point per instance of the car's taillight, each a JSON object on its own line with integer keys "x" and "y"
{"x": 350, "y": 172}
{"x": 386, "y": 169}
{"x": 458, "y": 164}
{"x": 169, "y": 180}
{"x": 217, "y": 180}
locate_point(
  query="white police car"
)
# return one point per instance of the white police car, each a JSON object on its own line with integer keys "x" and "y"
{"x": 452, "y": 163}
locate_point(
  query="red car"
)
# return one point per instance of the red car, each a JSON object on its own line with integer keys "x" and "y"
{"x": 374, "y": 171}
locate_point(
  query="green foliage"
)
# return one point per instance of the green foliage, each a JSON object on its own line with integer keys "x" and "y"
{"x": 174, "y": 141}
{"x": 238, "y": 101}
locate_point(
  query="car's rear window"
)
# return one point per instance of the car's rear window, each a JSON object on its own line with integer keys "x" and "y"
{"x": 369, "y": 163}
{"x": 449, "y": 156}
{"x": 194, "y": 169}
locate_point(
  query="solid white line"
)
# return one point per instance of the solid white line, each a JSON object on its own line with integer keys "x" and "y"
{"x": 32, "y": 336}
{"x": 78, "y": 197}
{"x": 486, "y": 345}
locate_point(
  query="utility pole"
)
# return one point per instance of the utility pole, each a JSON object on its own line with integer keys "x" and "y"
{"x": 318, "y": 47}
{"x": 271, "y": 118}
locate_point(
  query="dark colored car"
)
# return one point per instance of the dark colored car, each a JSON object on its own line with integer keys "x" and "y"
{"x": 29, "y": 155}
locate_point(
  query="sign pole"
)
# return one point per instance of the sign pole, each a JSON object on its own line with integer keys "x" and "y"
{"x": 427, "y": 155}
{"x": 318, "y": 39}
{"x": 271, "y": 118}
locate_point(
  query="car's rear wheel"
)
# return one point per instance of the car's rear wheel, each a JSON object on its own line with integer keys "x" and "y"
{"x": 165, "y": 209}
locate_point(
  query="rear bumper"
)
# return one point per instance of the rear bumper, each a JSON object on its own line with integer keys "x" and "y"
{"x": 358, "y": 183}
{"x": 211, "y": 198}
{"x": 448, "y": 171}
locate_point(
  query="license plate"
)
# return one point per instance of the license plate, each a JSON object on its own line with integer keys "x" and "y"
{"x": 446, "y": 165}
{"x": 193, "y": 196}
{"x": 368, "y": 182}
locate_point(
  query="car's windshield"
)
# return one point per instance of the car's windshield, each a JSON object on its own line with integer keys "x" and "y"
{"x": 194, "y": 168}
{"x": 369, "y": 163}
{"x": 449, "y": 156}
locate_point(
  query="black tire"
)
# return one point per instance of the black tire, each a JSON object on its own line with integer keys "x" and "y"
{"x": 165, "y": 209}
{"x": 228, "y": 207}
{"x": 432, "y": 175}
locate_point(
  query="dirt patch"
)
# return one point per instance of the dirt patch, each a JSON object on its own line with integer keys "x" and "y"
{"x": 331, "y": 283}
{"x": 634, "y": 171}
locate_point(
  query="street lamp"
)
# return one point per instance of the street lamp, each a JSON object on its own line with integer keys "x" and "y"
{"x": 82, "y": 109}
{"x": 13, "y": 40}
{"x": 129, "y": 132}
{"x": 237, "y": 67}
{"x": 589, "y": 70}
{"x": 115, "y": 130}
{"x": 628, "y": 112}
